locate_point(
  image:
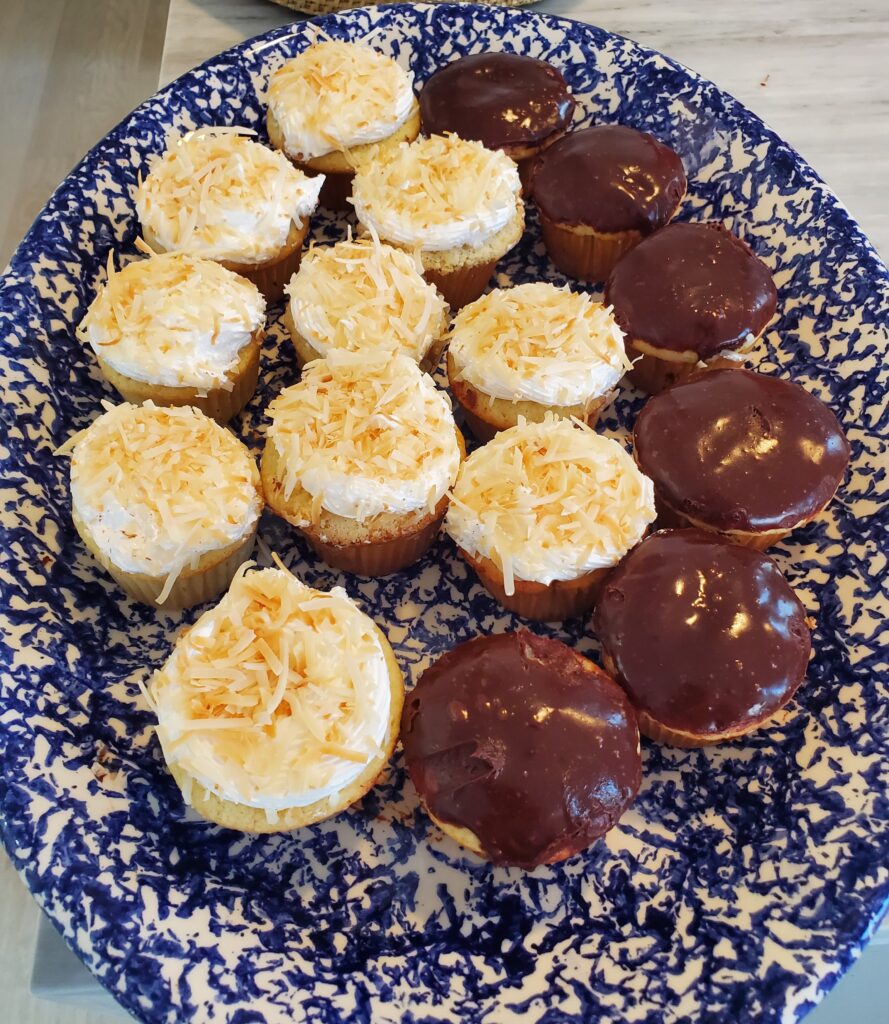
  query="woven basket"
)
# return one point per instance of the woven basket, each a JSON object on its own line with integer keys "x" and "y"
{"x": 329, "y": 6}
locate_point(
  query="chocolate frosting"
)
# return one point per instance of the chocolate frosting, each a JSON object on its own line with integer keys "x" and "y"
{"x": 692, "y": 287}
{"x": 611, "y": 178}
{"x": 498, "y": 99}
{"x": 524, "y": 742}
{"x": 704, "y": 635}
{"x": 741, "y": 451}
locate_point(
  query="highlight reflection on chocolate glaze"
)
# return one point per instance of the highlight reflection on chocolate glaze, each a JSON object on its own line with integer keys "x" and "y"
{"x": 498, "y": 99}
{"x": 525, "y": 743}
{"x": 692, "y": 287}
{"x": 738, "y": 450}
{"x": 611, "y": 178}
{"x": 704, "y": 635}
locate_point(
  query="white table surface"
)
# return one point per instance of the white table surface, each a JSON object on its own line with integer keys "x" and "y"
{"x": 814, "y": 70}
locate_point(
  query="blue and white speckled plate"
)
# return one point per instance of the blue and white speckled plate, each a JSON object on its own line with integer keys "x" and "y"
{"x": 745, "y": 878}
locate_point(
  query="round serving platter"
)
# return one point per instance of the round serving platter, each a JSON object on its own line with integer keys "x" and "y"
{"x": 745, "y": 878}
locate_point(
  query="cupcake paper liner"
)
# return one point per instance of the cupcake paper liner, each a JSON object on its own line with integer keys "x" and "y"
{"x": 217, "y": 403}
{"x": 336, "y": 190}
{"x": 462, "y": 286}
{"x": 543, "y": 602}
{"x": 669, "y": 518}
{"x": 377, "y": 558}
{"x": 193, "y": 586}
{"x": 653, "y": 375}
{"x": 270, "y": 278}
{"x": 485, "y": 429}
{"x": 587, "y": 257}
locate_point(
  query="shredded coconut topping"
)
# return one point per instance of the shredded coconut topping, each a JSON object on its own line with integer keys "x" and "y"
{"x": 337, "y": 95}
{"x": 365, "y": 434}
{"x": 277, "y": 697}
{"x": 538, "y": 343}
{"x": 438, "y": 193}
{"x": 363, "y": 295}
{"x": 173, "y": 319}
{"x": 218, "y": 194}
{"x": 158, "y": 488}
{"x": 549, "y": 501}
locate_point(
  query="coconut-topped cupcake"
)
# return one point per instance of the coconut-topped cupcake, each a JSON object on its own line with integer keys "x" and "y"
{"x": 456, "y": 202}
{"x": 359, "y": 457}
{"x": 218, "y": 194}
{"x": 338, "y": 104}
{"x": 534, "y": 348}
{"x": 166, "y": 500}
{"x": 279, "y": 707}
{"x": 178, "y": 330}
{"x": 363, "y": 296}
{"x": 542, "y": 510}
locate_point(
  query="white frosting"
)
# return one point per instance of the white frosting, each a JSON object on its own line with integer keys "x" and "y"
{"x": 538, "y": 343}
{"x": 174, "y": 320}
{"x": 438, "y": 193}
{"x": 218, "y": 194}
{"x": 267, "y": 748}
{"x": 366, "y": 434}
{"x": 158, "y": 488}
{"x": 335, "y": 96}
{"x": 363, "y": 295}
{"x": 549, "y": 501}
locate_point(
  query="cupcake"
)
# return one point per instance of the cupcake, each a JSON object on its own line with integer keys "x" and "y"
{"x": 178, "y": 330}
{"x": 216, "y": 193}
{"x": 359, "y": 457}
{"x": 166, "y": 500}
{"x": 455, "y": 202}
{"x": 691, "y": 294}
{"x": 337, "y": 105}
{"x": 362, "y": 296}
{"x": 740, "y": 454}
{"x": 279, "y": 707}
{"x": 543, "y": 511}
{"x": 600, "y": 191}
{"x": 506, "y": 101}
{"x": 530, "y": 350}
{"x": 706, "y": 637}
{"x": 520, "y": 748}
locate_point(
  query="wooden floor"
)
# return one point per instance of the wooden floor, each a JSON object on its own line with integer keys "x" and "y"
{"x": 69, "y": 71}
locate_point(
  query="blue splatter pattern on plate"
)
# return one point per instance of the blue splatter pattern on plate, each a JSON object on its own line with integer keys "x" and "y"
{"x": 745, "y": 878}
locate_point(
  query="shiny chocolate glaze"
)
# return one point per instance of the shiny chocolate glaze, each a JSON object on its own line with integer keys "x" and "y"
{"x": 611, "y": 178}
{"x": 524, "y": 742}
{"x": 692, "y": 287}
{"x": 498, "y": 99}
{"x": 738, "y": 450}
{"x": 704, "y": 635}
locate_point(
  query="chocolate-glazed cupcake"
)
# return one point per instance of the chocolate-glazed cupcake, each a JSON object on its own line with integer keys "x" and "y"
{"x": 520, "y": 748}
{"x": 691, "y": 293}
{"x": 706, "y": 637}
{"x": 506, "y": 101}
{"x": 599, "y": 192}
{"x": 740, "y": 454}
